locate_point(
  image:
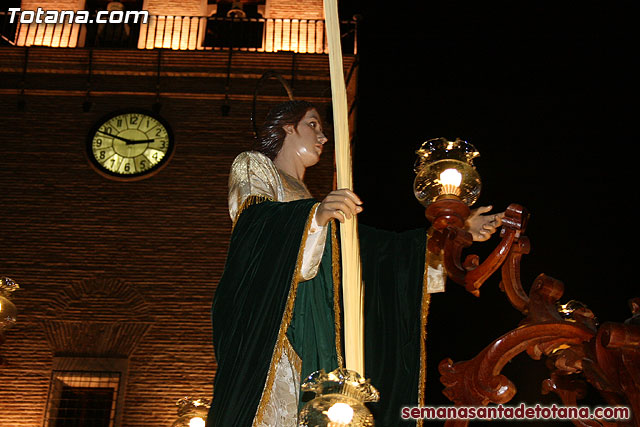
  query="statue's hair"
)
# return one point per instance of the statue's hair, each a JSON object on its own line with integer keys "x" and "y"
{"x": 271, "y": 134}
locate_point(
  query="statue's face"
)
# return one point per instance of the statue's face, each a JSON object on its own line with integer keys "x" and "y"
{"x": 305, "y": 140}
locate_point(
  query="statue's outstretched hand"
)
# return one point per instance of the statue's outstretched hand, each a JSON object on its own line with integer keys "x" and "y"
{"x": 338, "y": 204}
{"x": 482, "y": 226}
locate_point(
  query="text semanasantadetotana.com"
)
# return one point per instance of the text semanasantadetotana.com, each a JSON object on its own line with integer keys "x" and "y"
{"x": 522, "y": 412}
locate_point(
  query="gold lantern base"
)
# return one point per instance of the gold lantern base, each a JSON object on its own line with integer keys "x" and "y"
{"x": 339, "y": 401}
{"x": 192, "y": 412}
{"x": 8, "y": 311}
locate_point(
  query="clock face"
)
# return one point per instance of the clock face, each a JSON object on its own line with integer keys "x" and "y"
{"x": 130, "y": 145}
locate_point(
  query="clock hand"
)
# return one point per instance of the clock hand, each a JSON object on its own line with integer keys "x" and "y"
{"x": 142, "y": 141}
{"x": 127, "y": 141}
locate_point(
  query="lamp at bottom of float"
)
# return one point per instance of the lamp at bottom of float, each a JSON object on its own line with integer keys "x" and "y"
{"x": 446, "y": 181}
{"x": 192, "y": 412}
{"x": 339, "y": 400}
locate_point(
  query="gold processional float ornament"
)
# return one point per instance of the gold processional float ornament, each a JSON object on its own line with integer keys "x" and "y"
{"x": 192, "y": 412}
{"x": 8, "y": 311}
{"x": 339, "y": 401}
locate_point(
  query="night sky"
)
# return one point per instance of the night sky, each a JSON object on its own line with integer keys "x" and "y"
{"x": 548, "y": 96}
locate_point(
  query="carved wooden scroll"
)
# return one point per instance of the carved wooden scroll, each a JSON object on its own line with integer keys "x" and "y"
{"x": 607, "y": 357}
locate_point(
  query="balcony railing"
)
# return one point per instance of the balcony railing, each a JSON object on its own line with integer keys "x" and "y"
{"x": 182, "y": 33}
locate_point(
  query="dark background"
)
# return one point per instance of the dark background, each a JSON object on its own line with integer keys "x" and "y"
{"x": 548, "y": 94}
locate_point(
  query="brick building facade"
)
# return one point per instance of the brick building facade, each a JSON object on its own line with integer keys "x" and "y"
{"x": 117, "y": 277}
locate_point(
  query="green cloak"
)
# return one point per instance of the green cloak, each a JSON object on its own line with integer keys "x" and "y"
{"x": 260, "y": 305}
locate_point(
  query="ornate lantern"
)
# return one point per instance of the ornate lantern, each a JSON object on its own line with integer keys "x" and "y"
{"x": 8, "y": 311}
{"x": 446, "y": 181}
{"x": 339, "y": 401}
{"x": 192, "y": 412}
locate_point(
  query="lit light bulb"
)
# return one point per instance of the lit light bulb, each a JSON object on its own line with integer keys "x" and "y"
{"x": 340, "y": 413}
{"x": 450, "y": 180}
{"x": 196, "y": 422}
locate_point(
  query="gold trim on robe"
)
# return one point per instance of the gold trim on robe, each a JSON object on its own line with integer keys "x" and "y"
{"x": 335, "y": 268}
{"x": 281, "y": 343}
{"x": 429, "y": 260}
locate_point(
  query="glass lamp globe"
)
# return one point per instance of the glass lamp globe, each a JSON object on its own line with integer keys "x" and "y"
{"x": 339, "y": 401}
{"x": 8, "y": 310}
{"x": 444, "y": 170}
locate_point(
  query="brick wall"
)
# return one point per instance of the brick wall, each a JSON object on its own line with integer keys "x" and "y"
{"x": 176, "y": 7}
{"x": 124, "y": 270}
{"x": 52, "y": 4}
{"x": 298, "y": 9}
